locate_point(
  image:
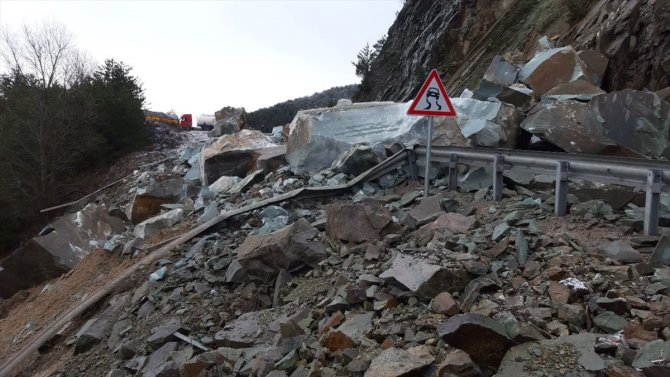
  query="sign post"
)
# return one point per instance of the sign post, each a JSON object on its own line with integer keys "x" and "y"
{"x": 431, "y": 101}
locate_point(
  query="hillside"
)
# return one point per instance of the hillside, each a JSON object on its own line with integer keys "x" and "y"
{"x": 282, "y": 113}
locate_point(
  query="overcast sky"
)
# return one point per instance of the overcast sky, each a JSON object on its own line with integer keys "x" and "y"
{"x": 196, "y": 57}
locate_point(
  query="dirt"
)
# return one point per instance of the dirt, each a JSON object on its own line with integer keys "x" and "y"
{"x": 45, "y": 303}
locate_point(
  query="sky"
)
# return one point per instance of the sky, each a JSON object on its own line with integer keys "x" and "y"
{"x": 199, "y": 56}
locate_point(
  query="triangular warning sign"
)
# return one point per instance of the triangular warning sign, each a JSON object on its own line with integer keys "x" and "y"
{"x": 432, "y": 99}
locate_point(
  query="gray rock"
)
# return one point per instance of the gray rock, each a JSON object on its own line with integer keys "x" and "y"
{"x": 570, "y": 125}
{"x": 483, "y": 338}
{"x": 263, "y": 256}
{"x": 596, "y": 208}
{"x": 357, "y": 222}
{"x": 356, "y": 160}
{"x": 318, "y": 137}
{"x": 621, "y": 251}
{"x": 357, "y": 326}
{"x": 158, "y": 365}
{"x": 224, "y": 183}
{"x": 552, "y": 67}
{"x": 661, "y": 254}
{"x": 425, "y": 279}
{"x": 642, "y": 128}
{"x": 487, "y": 124}
{"x": 652, "y": 354}
{"x": 237, "y": 155}
{"x": 397, "y": 362}
{"x": 99, "y": 328}
{"x": 155, "y": 224}
{"x": 476, "y": 178}
{"x": 229, "y": 120}
{"x": 60, "y": 247}
{"x": 574, "y": 353}
{"x": 610, "y": 322}
{"x": 500, "y": 231}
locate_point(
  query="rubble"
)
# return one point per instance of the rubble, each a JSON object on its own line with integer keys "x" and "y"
{"x": 156, "y": 223}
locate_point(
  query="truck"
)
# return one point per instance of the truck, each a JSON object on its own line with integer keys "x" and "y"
{"x": 204, "y": 122}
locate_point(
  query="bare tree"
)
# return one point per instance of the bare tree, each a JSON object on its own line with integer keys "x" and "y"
{"x": 43, "y": 129}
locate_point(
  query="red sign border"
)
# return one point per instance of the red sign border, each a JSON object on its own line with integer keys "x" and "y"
{"x": 412, "y": 109}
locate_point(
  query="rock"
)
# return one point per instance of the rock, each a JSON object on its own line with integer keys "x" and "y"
{"x": 458, "y": 363}
{"x": 621, "y": 251}
{"x": 643, "y": 128}
{"x": 158, "y": 365}
{"x": 356, "y": 160}
{"x": 553, "y": 67}
{"x": 337, "y": 341}
{"x": 357, "y": 222}
{"x": 595, "y": 208}
{"x": 151, "y": 226}
{"x": 488, "y": 124}
{"x": 318, "y": 137}
{"x": 573, "y": 354}
{"x": 224, "y": 183}
{"x": 248, "y": 329}
{"x": 443, "y": 303}
{"x": 570, "y": 125}
{"x": 596, "y": 65}
{"x": 99, "y": 328}
{"x": 164, "y": 333}
{"x": 661, "y": 254}
{"x": 653, "y": 356}
{"x": 58, "y": 248}
{"x": 229, "y": 120}
{"x": 572, "y": 314}
{"x": 476, "y": 178}
{"x": 500, "y": 231}
{"x": 263, "y": 256}
{"x": 428, "y": 209}
{"x": 579, "y": 90}
{"x": 147, "y": 202}
{"x": 453, "y": 222}
{"x": 357, "y": 326}
{"x": 236, "y": 155}
{"x": 423, "y": 278}
{"x": 558, "y": 292}
{"x": 397, "y": 362}
{"x": 610, "y": 322}
{"x": 483, "y": 338}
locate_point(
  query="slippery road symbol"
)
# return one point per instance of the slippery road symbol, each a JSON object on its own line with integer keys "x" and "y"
{"x": 432, "y": 98}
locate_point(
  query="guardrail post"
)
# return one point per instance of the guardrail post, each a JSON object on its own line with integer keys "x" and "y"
{"x": 453, "y": 171}
{"x": 652, "y": 202}
{"x": 560, "y": 201}
{"x": 411, "y": 164}
{"x": 498, "y": 162}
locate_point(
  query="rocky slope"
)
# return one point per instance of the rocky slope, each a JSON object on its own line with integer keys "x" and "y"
{"x": 459, "y": 37}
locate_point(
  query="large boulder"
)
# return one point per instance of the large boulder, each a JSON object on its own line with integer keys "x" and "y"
{"x": 356, "y": 160}
{"x": 569, "y": 125}
{"x": 318, "y": 137}
{"x": 487, "y": 124}
{"x": 637, "y": 120}
{"x": 229, "y": 120}
{"x": 237, "y": 155}
{"x": 553, "y": 67}
{"x": 58, "y": 248}
{"x": 295, "y": 246}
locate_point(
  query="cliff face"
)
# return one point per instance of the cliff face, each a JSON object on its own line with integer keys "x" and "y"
{"x": 635, "y": 36}
{"x": 460, "y": 37}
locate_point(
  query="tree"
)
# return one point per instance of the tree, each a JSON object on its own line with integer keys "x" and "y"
{"x": 119, "y": 100}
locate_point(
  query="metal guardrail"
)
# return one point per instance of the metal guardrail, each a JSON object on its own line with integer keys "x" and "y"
{"x": 653, "y": 176}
